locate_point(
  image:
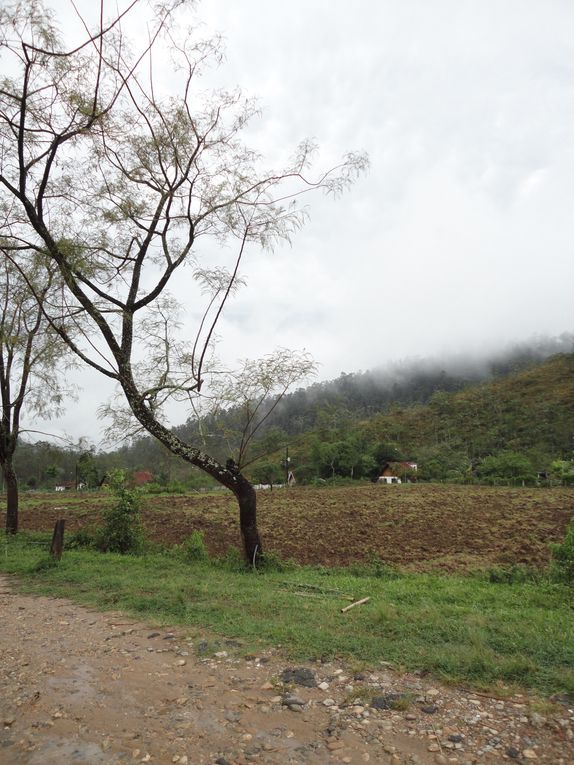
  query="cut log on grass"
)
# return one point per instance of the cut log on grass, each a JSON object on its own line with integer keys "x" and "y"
{"x": 356, "y": 603}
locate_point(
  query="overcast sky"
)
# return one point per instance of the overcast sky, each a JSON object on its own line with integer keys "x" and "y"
{"x": 461, "y": 235}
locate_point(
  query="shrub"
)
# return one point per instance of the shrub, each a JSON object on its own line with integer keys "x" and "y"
{"x": 83, "y": 538}
{"x": 122, "y": 531}
{"x": 563, "y": 556}
{"x": 194, "y": 549}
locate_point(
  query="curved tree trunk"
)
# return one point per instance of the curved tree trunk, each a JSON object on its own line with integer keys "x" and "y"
{"x": 247, "y": 499}
{"x": 228, "y": 475}
{"x": 11, "y": 482}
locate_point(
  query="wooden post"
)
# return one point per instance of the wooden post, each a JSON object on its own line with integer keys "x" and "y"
{"x": 57, "y": 546}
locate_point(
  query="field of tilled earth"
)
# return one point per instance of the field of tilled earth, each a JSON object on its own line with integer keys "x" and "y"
{"x": 419, "y": 527}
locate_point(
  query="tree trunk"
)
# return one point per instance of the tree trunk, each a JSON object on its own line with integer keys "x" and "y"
{"x": 247, "y": 499}
{"x": 229, "y": 476}
{"x": 11, "y": 497}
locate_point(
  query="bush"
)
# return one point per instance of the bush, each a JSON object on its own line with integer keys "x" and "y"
{"x": 233, "y": 561}
{"x": 194, "y": 549}
{"x": 83, "y": 538}
{"x": 122, "y": 531}
{"x": 563, "y": 556}
{"x": 374, "y": 566}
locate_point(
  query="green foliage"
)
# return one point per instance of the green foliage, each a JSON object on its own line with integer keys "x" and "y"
{"x": 271, "y": 561}
{"x": 462, "y": 629}
{"x": 267, "y": 472}
{"x": 563, "y": 471}
{"x": 194, "y": 549}
{"x": 514, "y": 574}
{"x": 122, "y": 531}
{"x": 87, "y": 472}
{"x": 233, "y": 561}
{"x": 507, "y": 465}
{"x": 563, "y": 556}
{"x": 45, "y": 564}
{"x": 83, "y": 538}
{"x": 509, "y": 428}
{"x": 376, "y": 567}
{"x": 443, "y": 463}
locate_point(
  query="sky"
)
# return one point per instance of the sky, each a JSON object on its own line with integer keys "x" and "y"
{"x": 460, "y": 238}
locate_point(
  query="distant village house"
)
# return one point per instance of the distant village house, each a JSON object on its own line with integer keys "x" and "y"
{"x": 397, "y": 472}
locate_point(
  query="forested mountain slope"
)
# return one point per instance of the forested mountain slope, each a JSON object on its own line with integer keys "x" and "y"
{"x": 445, "y": 419}
{"x": 528, "y": 415}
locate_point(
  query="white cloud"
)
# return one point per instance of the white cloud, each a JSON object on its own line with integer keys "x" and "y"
{"x": 461, "y": 236}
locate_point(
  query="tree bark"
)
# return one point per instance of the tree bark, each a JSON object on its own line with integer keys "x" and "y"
{"x": 11, "y": 497}
{"x": 247, "y": 499}
{"x": 228, "y": 475}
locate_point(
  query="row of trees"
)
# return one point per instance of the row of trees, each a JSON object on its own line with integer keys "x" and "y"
{"x": 107, "y": 184}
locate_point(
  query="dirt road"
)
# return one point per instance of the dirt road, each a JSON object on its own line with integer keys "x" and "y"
{"x": 79, "y": 686}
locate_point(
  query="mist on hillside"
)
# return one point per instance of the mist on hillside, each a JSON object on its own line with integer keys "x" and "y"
{"x": 361, "y": 395}
{"x": 414, "y": 380}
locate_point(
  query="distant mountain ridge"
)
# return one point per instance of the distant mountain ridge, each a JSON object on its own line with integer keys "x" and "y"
{"x": 517, "y": 424}
{"x": 447, "y": 415}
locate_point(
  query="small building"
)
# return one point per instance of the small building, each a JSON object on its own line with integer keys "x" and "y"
{"x": 65, "y": 486}
{"x": 397, "y": 472}
{"x": 141, "y": 477}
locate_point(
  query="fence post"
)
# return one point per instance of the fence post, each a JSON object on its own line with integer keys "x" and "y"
{"x": 57, "y": 546}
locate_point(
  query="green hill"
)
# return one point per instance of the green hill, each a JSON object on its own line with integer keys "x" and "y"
{"x": 524, "y": 420}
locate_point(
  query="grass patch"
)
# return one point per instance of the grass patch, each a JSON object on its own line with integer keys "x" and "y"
{"x": 462, "y": 629}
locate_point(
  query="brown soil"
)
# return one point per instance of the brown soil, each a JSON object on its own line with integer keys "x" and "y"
{"x": 79, "y": 686}
{"x": 417, "y": 526}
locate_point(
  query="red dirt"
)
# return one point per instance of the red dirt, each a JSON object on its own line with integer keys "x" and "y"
{"x": 416, "y": 526}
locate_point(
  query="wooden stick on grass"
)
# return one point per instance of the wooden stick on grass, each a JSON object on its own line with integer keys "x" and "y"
{"x": 356, "y": 603}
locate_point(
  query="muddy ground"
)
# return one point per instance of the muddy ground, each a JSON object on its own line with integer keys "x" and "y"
{"x": 79, "y": 687}
{"x": 417, "y": 526}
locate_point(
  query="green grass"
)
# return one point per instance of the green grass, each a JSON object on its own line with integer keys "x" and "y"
{"x": 462, "y": 629}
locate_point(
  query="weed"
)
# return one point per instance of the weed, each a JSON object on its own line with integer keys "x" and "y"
{"x": 194, "y": 549}
{"x": 45, "y": 564}
{"x": 514, "y": 574}
{"x": 462, "y": 629}
{"x": 83, "y": 538}
{"x": 271, "y": 561}
{"x": 361, "y": 694}
{"x": 233, "y": 561}
{"x": 122, "y": 531}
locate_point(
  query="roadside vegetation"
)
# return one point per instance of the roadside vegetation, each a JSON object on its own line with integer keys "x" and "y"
{"x": 495, "y": 629}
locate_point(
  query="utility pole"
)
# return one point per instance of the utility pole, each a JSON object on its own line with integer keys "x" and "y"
{"x": 287, "y": 466}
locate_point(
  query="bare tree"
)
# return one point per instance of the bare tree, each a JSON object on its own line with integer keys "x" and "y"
{"x": 31, "y": 365}
{"x": 242, "y": 402}
{"x": 118, "y": 184}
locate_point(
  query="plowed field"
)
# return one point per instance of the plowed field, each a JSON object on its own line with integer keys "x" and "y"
{"x": 416, "y": 526}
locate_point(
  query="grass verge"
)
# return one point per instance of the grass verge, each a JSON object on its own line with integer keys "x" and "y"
{"x": 462, "y": 629}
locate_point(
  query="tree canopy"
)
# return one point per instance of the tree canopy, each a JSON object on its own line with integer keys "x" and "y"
{"x": 116, "y": 182}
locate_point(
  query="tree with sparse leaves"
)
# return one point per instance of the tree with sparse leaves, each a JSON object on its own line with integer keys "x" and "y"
{"x": 117, "y": 184}
{"x": 31, "y": 365}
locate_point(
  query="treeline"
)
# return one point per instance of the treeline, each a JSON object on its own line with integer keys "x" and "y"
{"x": 360, "y": 395}
{"x": 518, "y": 428}
{"x": 44, "y": 465}
{"x": 511, "y": 415}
